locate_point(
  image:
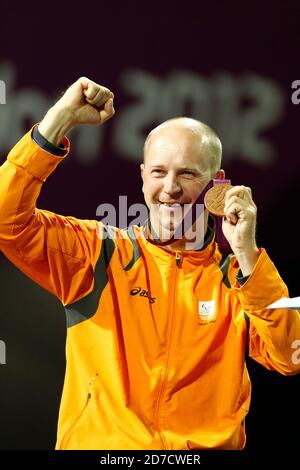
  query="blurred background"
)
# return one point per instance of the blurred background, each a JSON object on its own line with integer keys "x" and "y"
{"x": 230, "y": 66}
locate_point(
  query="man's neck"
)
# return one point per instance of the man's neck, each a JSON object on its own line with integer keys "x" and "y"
{"x": 186, "y": 243}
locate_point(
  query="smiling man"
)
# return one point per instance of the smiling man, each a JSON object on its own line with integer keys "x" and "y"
{"x": 156, "y": 333}
{"x": 180, "y": 157}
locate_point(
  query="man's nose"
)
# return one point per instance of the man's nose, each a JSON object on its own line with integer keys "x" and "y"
{"x": 171, "y": 184}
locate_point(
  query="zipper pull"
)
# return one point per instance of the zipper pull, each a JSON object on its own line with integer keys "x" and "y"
{"x": 178, "y": 258}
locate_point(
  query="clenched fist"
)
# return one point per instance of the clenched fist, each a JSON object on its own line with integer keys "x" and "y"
{"x": 84, "y": 102}
{"x": 239, "y": 226}
{"x": 88, "y": 102}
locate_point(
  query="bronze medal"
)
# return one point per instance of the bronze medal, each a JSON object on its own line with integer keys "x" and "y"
{"x": 214, "y": 199}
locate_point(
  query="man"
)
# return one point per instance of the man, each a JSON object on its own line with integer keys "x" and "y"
{"x": 156, "y": 334}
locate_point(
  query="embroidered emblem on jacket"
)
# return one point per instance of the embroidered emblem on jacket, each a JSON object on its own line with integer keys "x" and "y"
{"x": 207, "y": 311}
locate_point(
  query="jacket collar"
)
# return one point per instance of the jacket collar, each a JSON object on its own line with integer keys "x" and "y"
{"x": 195, "y": 256}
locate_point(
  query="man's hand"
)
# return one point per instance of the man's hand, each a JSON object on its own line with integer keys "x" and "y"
{"x": 84, "y": 102}
{"x": 87, "y": 102}
{"x": 239, "y": 226}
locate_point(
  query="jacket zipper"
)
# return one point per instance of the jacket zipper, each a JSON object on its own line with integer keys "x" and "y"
{"x": 67, "y": 434}
{"x": 178, "y": 260}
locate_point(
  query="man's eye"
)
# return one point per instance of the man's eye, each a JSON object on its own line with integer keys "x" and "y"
{"x": 157, "y": 172}
{"x": 187, "y": 172}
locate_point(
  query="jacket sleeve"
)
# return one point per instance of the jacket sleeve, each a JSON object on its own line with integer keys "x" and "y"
{"x": 57, "y": 252}
{"x": 273, "y": 333}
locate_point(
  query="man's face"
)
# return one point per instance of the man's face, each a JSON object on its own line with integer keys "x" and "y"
{"x": 174, "y": 173}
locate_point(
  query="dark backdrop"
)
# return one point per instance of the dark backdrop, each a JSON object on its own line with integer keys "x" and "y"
{"x": 230, "y": 66}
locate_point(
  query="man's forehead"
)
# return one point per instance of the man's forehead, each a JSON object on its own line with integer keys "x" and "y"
{"x": 181, "y": 147}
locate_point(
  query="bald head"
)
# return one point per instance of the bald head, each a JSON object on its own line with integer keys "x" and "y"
{"x": 195, "y": 134}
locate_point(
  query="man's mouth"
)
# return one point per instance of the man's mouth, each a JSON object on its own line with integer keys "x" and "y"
{"x": 171, "y": 204}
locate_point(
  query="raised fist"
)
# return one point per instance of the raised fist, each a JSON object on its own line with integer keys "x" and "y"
{"x": 87, "y": 102}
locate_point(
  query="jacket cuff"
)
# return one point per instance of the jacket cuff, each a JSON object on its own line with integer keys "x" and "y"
{"x": 46, "y": 145}
{"x": 37, "y": 161}
{"x": 263, "y": 286}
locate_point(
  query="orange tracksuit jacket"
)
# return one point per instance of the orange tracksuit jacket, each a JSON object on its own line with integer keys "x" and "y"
{"x": 155, "y": 340}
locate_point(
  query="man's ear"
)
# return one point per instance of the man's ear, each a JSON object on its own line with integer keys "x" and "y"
{"x": 142, "y": 168}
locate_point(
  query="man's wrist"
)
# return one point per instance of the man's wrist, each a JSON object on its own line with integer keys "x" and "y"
{"x": 247, "y": 260}
{"x": 56, "y": 123}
